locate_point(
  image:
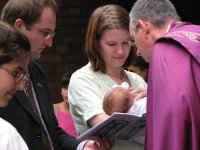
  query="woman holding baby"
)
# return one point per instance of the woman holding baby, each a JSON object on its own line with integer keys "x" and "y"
{"x": 107, "y": 48}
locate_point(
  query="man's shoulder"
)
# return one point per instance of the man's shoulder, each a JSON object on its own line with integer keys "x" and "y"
{"x": 35, "y": 67}
{"x": 34, "y": 64}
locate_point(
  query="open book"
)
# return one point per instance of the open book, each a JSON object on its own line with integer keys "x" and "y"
{"x": 121, "y": 126}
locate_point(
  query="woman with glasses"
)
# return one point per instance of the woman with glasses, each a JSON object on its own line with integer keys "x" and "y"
{"x": 14, "y": 58}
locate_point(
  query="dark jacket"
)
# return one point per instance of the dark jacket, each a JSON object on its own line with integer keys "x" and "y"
{"x": 19, "y": 113}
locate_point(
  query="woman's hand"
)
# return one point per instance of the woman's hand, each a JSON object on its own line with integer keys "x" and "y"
{"x": 138, "y": 93}
{"x": 91, "y": 145}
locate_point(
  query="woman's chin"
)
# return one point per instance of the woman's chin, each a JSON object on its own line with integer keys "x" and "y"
{"x": 5, "y": 100}
{"x": 4, "y": 103}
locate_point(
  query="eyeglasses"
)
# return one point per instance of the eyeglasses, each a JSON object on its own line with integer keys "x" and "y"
{"x": 17, "y": 76}
{"x": 45, "y": 34}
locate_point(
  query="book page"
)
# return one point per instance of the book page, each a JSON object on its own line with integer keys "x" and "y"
{"x": 121, "y": 126}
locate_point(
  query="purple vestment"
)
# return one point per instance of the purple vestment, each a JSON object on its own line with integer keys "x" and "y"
{"x": 173, "y": 105}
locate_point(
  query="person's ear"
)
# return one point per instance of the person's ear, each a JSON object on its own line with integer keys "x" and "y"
{"x": 19, "y": 23}
{"x": 144, "y": 26}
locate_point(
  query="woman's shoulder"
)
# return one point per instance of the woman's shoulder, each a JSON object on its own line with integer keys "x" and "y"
{"x": 132, "y": 75}
{"x": 4, "y": 123}
{"x": 10, "y": 137}
{"x": 6, "y": 128}
{"x": 135, "y": 79}
{"x": 86, "y": 72}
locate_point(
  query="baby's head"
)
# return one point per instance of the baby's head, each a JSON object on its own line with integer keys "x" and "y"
{"x": 117, "y": 99}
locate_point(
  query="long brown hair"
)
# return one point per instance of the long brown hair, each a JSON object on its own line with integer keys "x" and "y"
{"x": 104, "y": 17}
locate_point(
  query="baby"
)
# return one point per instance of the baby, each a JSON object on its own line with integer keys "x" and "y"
{"x": 120, "y": 99}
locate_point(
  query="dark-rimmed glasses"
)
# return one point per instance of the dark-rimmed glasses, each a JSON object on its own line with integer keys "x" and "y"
{"x": 17, "y": 76}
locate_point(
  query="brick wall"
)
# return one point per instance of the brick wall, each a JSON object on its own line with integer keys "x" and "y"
{"x": 67, "y": 52}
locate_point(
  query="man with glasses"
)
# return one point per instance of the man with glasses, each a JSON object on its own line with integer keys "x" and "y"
{"x": 32, "y": 112}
